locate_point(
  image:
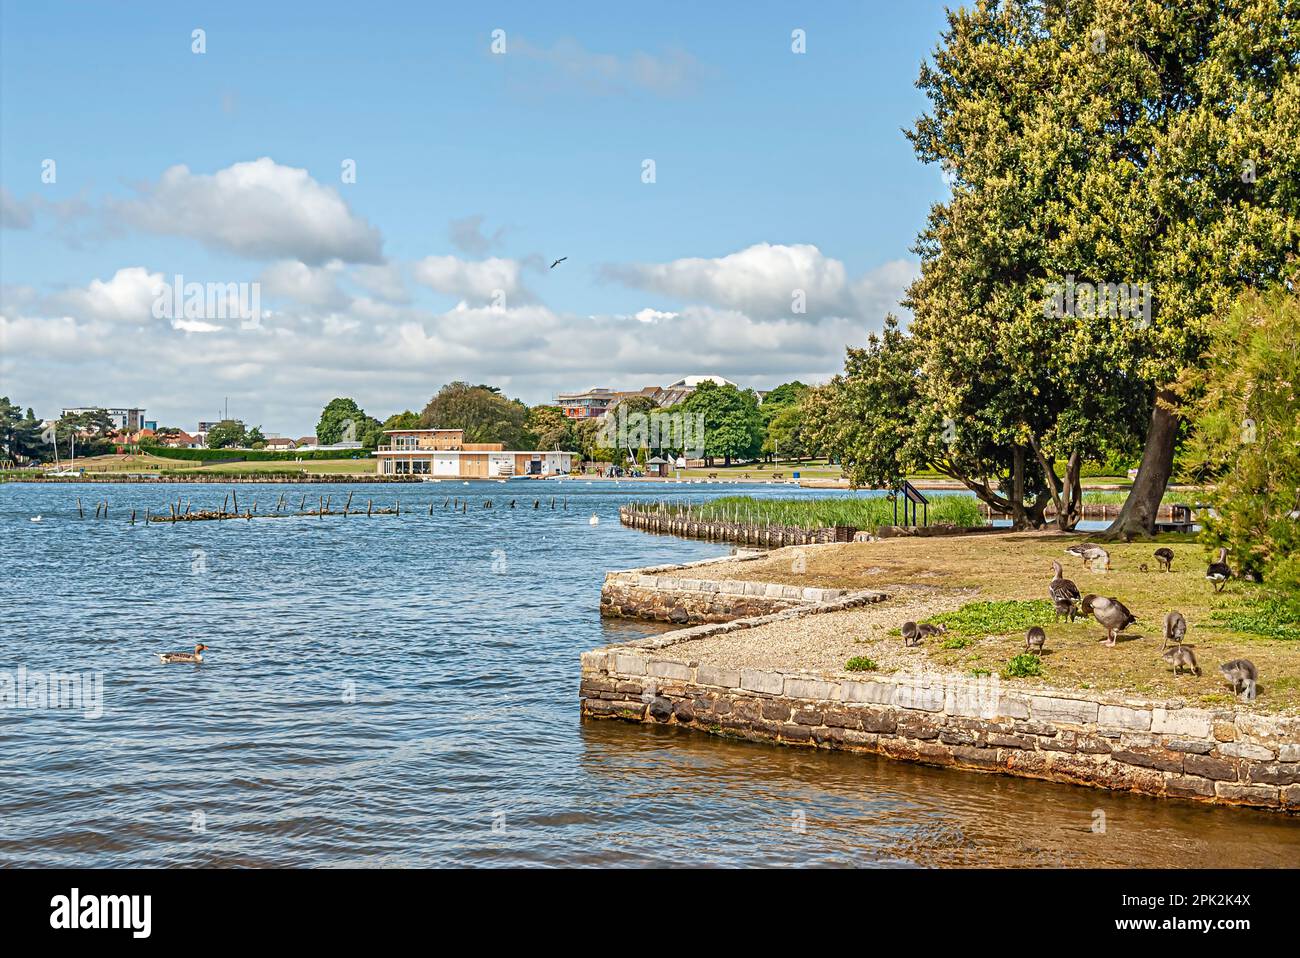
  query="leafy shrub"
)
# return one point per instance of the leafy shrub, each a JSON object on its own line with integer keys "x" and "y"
{"x": 1022, "y": 666}
{"x": 996, "y": 618}
{"x": 860, "y": 663}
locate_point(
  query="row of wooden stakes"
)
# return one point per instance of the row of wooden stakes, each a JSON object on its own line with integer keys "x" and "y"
{"x": 182, "y": 511}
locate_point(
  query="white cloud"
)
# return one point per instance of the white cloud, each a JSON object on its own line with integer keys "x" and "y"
{"x": 256, "y": 209}
{"x": 309, "y": 285}
{"x": 763, "y": 280}
{"x": 476, "y": 279}
{"x": 127, "y": 298}
{"x": 467, "y": 235}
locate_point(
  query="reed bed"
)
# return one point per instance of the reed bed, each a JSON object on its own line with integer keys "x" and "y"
{"x": 822, "y": 512}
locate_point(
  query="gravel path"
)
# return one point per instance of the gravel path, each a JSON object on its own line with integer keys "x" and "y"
{"x": 823, "y": 643}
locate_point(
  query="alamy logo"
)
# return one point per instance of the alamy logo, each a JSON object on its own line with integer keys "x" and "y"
{"x": 209, "y": 301}
{"x": 653, "y": 430}
{"x": 1095, "y": 301}
{"x": 103, "y": 911}
{"x": 53, "y": 690}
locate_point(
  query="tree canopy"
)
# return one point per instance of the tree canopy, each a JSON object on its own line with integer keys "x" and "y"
{"x": 481, "y": 411}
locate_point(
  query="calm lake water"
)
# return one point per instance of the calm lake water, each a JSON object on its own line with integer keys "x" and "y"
{"x": 402, "y": 691}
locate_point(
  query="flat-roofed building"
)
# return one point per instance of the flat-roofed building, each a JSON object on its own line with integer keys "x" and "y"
{"x": 444, "y": 454}
{"x": 129, "y": 419}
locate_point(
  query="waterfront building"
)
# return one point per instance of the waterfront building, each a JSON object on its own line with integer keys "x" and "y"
{"x": 126, "y": 419}
{"x": 444, "y": 453}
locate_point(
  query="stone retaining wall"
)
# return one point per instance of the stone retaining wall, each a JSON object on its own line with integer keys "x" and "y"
{"x": 1225, "y": 756}
{"x": 665, "y": 594}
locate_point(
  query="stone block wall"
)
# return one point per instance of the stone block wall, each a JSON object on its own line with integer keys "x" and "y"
{"x": 671, "y": 594}
{"x": 1227, "y": 756}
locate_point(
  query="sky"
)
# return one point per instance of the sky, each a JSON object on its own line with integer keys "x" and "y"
{"x": 391, "y": 182}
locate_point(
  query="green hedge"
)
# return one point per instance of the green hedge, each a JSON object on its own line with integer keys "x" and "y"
{"x": 252, "y": 455}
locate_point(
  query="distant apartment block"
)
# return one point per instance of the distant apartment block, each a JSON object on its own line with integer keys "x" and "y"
{"x": 123, "y": 418}
{"x": 598, "y": 400}
{"x": 443, "y": 453}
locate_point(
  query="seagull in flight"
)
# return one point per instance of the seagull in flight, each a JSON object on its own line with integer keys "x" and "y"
{"x": 558, "y": 261}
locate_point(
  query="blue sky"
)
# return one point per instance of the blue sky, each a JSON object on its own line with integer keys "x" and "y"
{"x": 774, "y": 171}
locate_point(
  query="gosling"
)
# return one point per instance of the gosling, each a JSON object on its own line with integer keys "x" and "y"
{"x": 1181, "y": 657}
{"x": 911, "y": 634}
{"x": 1035, "y": 639}
{"x": 1175, "y": 629}
{"x": 1165, "y": 556}
{"x": 1242, "y": 676}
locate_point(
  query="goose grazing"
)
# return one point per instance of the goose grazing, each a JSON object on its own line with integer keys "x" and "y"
{"x": 911, "y": 634}
{"x": 1165, "y": 556}
{"x": 1091, "y": 554}
{"x": 1175, "y": 629}
{"x": 925, "y": 630}
{"x": 594, "y": 520}
{"x": 1062, "y": 592}
{"x": 1181, "y": 657}
{"x": 1242, "y": 676}
{"x": 196, "y": 656}
{"x": 1035, "y": 639}
{"x": 1110, "y": 613}
{"x": 1218, "y": 572}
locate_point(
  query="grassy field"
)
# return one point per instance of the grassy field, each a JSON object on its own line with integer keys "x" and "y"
{"x": 1007, "y": 577}
{"x": 861, "y": 513}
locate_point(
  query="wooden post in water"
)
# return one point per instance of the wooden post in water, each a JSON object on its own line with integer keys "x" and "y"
{"x": 399, "y": 507}
{"x": 348, "y": 505}
{"x": 80, "y": 513}
{"x": 370, "y": 504}
{"x": 225, "y": 502}
{"x": 302, "y": 506}
{"x": 132, "y": 517}
{"x": 235, "y": 496}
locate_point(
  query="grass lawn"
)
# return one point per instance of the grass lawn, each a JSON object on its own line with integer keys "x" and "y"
{"x": 966, "y": 572}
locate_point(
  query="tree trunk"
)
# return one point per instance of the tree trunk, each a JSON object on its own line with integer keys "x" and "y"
{"x": 1138, "y": 516}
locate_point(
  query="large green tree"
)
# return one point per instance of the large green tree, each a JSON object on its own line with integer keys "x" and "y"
{"x": 20, "y": 435}
{"x": 1099, "y": 142}
{"x": 1246, "y": 438}
{"x": 343, "y": 420}
{"x": 481, "y": 411}
{"x": 733, "y": 425}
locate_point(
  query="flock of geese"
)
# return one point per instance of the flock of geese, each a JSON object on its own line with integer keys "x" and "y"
{"x": 1115, "y": 617}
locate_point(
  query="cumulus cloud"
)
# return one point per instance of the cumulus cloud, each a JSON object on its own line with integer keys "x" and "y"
{"x": 256, "y": 209}
{"x": 127, "y": 298}
{"x": 473, "y": 279}
{"x": 770, "y": 280}
{"x": 319, "y": 341}
{"x": 309, "y": 285}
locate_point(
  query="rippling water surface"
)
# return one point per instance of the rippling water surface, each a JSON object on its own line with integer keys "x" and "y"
{"x": 402, "y": 691}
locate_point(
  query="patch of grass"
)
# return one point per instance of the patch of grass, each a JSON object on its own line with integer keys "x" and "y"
{"x": 980, "y": 673}
{"x": 818, "y": 512}
{"x": 860, "y": 663}
{"x": 1274, "y": 615}
{"x": 996, "y": 618}
{"x": 1022, "y": 666}
{"x": 954, "y": 642}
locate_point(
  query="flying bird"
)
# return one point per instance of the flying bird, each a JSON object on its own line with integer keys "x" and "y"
{"x": 558, "y": 261}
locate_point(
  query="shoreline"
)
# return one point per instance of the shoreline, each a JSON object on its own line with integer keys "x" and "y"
{"x": 758, "y": 657}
